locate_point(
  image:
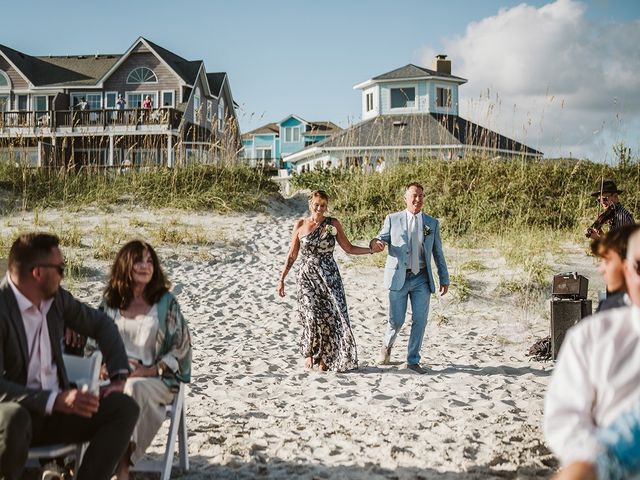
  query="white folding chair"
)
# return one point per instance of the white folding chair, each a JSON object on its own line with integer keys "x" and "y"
{"x": 177, "y": 427}
{"x": 81, "y": 371}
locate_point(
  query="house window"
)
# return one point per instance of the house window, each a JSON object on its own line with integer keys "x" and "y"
{"x": 209, "y": 111}
{"x": 291, "y": 134}
{"x": 264, "y": 153}
{"x": 142, "y": 75}
{"x": 4, "y": 103}
{"x": 221, "y": 114}
{"x": 196, "y": 106}
{"x": 403, "y": 97}
{"x": 39, "y": 103}
{"x": 443, "y": 97}
{"x": 110, "y": 99}
{"x": 135, "y": 99}
{"x": 22, "y": 102}
{"x": 168, "y": 98}
{"x": 93, "y": 99}
{"x": 369, "y": 100}
{"x": 4, "y": 80}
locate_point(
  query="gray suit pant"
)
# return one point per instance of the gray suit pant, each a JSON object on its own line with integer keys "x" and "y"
{"x": 108, "y": 432}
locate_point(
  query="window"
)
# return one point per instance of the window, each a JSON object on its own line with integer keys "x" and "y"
{"x": 291, "y": 134}
{"x": 209, "y": 111}
{"x": 221, "y": 114}
{"x": 167, "y": 98}
{"x": 142, "y": 75}
{"x": 39, "y": 103}
{"x": 110, "y": 99}
{"x": 443, "y": 97}
{"x": 4, "y": 80}
{"x": 4, "y": 103}
{"x": 369, "y": 100}
{"x": 93, "y": 99}
{"x": 264, "y": 153}
{"x": 135, "y": 99}
{"x": 22, "y": 102}
{"x": 403, "y": 97}
{"x": 196, "y": 106}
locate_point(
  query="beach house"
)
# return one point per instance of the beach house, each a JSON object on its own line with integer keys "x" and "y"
{"x": 146, "y": 106}
{"x": 270, "y": 145}
{"x": 407, "y": 114}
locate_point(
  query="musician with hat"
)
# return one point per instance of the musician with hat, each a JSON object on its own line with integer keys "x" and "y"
{"x": 614, "y": 214}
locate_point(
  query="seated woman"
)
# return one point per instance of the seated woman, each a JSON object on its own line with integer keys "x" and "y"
{"x": 156, "y": 337}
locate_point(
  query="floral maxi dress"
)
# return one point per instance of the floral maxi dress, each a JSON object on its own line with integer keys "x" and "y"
{"x": 322, "y": 307}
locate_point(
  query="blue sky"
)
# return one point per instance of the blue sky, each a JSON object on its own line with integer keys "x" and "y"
{"x": 304, "y": 57}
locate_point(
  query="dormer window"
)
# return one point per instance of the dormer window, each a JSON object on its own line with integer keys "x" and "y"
{"x": 291, "y": 134}
{"x": 403, "y": 97}
{"x": 443, "y": 97}
{"x": 142, "y": 75}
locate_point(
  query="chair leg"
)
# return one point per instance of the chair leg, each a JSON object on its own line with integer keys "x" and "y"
{"x": 167, "y": 461}
{"x": 183, "y": 443}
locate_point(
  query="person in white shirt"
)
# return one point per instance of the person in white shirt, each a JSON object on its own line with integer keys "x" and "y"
{"x": 597, "y": 377}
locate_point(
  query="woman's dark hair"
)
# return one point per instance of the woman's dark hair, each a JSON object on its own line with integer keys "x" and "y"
{"x": 119, "y": 290}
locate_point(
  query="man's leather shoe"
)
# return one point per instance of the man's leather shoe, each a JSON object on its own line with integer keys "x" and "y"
{"x": 416, "y": 368}
{"x": 385, "y": 356}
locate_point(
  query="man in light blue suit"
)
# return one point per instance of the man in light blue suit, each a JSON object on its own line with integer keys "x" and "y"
{"x": 412, "y": 238}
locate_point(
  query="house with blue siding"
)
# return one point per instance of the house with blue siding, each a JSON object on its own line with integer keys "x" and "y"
{"x": 409, "y": 113}
{"x": 271, "y": 144}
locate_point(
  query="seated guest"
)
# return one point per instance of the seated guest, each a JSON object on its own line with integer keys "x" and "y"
{"x": 612, "y": 250}
{"x": 596, "y": 378}
{"x": 156, "y": 337}
{"x": 38, "y": 406}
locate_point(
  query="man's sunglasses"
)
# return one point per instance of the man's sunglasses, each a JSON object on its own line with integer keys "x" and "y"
{"x": 60, "y": 267}
{"x": 603, "y": 198}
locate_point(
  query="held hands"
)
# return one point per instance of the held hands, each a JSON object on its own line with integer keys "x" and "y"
{"x": 444, "y": 289}
{"x": 76, "y": 402}
{"x": 139, "y": 370}
{"x": 376, "y": 245}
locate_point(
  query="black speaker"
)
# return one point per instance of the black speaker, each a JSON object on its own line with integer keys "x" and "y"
{"x": 565, "y": 314}
{"x": 570, "y": 285}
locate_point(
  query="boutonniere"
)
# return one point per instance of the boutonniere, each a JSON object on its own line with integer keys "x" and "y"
{"x": 331, "y": 230}
{"x": 426, "y": 230}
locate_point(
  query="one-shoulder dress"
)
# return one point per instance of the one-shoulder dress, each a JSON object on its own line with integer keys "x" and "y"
{"x": 322, "y": 307}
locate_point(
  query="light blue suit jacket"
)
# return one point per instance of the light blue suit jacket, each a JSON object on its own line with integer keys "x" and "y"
{"x": 395, "y": 233}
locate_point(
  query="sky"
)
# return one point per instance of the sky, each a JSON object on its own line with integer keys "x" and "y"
{"x": 561, "y": 76}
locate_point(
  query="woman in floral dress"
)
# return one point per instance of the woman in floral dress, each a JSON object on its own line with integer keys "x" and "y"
{"x": 327, "y": 340}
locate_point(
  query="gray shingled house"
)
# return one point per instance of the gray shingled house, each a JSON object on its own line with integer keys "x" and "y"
{"x": 145, "y": 106}
{"x": 409, "y": 113}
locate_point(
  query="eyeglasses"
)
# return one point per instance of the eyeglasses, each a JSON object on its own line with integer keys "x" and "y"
{"x": 60, "y": 267}
{"x": 604, "y": 198}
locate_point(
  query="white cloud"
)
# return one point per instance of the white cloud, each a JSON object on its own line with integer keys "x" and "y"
{"x": 552, "y": 78}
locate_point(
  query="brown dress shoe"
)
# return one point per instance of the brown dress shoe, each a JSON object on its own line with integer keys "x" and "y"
{"x": 385, "y": 356}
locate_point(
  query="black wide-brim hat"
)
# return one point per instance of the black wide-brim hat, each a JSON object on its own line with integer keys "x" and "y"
{"x": 607, "y": 186}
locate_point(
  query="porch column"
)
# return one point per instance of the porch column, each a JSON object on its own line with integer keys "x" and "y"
{"x": 39, "y": 153}
{"x": 110, "y": 161}
{"x": 169, "y": 151}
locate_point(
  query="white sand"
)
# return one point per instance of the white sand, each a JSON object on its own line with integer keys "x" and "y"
{"x": 254, "y": 412}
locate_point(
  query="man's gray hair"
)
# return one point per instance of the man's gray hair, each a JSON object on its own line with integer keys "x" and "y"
{"x": 633, "y": 246}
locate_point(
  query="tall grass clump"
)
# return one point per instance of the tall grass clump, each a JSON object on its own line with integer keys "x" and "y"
{"x": 192, "y": 187}
{"x": 476, "y": 197}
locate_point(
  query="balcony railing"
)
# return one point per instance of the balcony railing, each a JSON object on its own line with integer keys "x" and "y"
{"x": 91, "y": 118}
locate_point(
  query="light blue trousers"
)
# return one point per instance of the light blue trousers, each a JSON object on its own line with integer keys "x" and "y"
{"x": 415, "y": 289}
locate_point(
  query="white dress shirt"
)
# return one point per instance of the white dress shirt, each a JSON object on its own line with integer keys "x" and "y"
{"x": 596, "y": 378}
{"x": 42, "y": 373}
{"x": 417, "y": 217}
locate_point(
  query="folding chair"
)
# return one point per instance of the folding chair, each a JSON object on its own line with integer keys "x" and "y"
{"x": 177, "y": 427}
{"x": 81, "y": 371}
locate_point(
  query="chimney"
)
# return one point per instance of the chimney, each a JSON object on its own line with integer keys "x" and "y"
{"x": 442, "y": 65}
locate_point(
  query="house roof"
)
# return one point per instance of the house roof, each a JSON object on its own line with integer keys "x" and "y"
{"x": 269, "y": 128}
{"x": 322, "y": 128}
{"x": 419, "y": 130}
{"x": 215, "y": 82}
{"x": 186, "y": 69}
{"x": 413, "y": 71}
